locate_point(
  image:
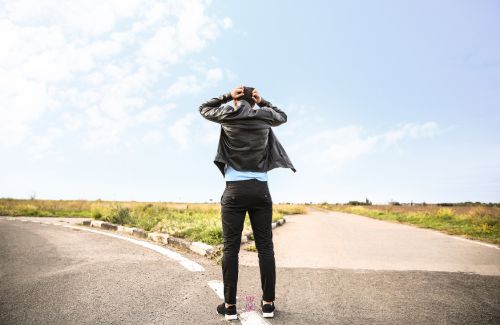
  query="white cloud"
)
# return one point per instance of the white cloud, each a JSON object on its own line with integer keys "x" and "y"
{"x": 184, "y": 85}
{"x": 43, "y": 143}
{"x": 22, "y": 102}
{"x": 101, "y": 64}
{"x": 153, "y": 137}
{"x": 211, "y": 133}
{"x": 346, "y": 144}
{"x": 191, "y": 84}
{"x": 214, "y": 75}
{"x": 227, "y": 22}
{"x": 181, "y": 129}
{"x": 162, "y": 47}
{"x": 71, "y": 122}
{"x": 153, "y": 114}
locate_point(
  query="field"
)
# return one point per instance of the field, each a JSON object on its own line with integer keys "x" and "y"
{"x": 475, "y": 221}
{"x": 193, "y": 221}
{"x": 201, "y": 222}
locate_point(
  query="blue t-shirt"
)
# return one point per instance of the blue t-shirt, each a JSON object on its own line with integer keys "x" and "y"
{"x": 232, "y": 174}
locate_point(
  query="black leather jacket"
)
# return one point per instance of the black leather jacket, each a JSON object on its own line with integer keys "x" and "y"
{"x": 247, "y": 142}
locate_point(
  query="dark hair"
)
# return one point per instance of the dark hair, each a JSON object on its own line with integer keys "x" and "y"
{"x": 247, "y": 95}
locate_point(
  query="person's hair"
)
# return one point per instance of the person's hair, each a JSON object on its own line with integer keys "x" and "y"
{"x": 247, "y": 95}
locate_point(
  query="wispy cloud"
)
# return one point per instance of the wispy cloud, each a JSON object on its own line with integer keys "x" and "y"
{"x": 192, "y": 84}
{"x": 334, "y": 148}
{"x": 180, "y": 131}
{"x": 153, "y": 137}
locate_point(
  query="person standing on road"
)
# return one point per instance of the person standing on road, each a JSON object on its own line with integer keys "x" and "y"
{"x": 247, "y": 150}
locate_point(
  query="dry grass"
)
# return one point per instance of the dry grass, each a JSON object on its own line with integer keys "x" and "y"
{"x": 475, "y": 221}
{"x": 194, "y": 221}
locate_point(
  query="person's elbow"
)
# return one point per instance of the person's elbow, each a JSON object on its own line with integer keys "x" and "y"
{"x": 281, "y": 119}
{"x": 204, "y": 111}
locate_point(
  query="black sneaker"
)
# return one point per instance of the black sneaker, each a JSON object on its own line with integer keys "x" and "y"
{"x": 267, "y": 309}
{"x": 229, "y": 312}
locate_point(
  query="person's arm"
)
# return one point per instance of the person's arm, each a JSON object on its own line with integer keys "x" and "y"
{"x": 214, "y": 110}
{"x": 276, "y": 116}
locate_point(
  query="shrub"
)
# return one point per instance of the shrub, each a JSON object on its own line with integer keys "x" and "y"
{"x": 96, "y": 214}
{"x": 119, "y": 215}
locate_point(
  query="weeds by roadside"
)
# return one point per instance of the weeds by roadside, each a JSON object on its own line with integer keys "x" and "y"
{"x": 192, "y": 221}
{"x": 476, "y": 221}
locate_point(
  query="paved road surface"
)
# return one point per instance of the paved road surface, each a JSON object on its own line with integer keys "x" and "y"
{"x": 341, "y": 240}
{"x": 55, "y": 275}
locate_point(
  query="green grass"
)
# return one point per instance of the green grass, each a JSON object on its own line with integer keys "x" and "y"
{"x": 251, "y": 248}
{"x": 193, "y": 221}
{"x": 476, "y": 221}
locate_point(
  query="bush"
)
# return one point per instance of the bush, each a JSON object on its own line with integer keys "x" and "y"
{"x": 355, "y": 203}
{"x": 96, "y": 214}
{"x": 119, "y": 215}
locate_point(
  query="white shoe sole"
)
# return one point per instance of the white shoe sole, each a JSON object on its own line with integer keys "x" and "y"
{"x": 268, "y": 315}
{"x": 231, "y": 317}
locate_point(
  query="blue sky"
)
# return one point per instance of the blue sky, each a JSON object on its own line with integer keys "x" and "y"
{"x": 386, "y": 100}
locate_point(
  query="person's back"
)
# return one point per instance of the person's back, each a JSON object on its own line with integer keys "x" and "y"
{"x": 247, "y": 141}
{"x": 247, "y": 150}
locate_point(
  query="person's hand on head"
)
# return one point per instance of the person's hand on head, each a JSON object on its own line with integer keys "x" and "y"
{"x": 237, "y": 92}
{"x": 256, "y": 96}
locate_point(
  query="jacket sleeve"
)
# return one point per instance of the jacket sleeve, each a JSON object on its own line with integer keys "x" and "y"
{"x": 214, "y": 110}
{"x": 276, "y": 115}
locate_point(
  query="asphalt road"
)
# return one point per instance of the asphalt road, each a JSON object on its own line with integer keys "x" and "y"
{"x": 55, "y": 275}
{"x": 347, "y": 241}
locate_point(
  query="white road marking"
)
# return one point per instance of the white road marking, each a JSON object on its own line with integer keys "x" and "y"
{"x": 187, "y": 263}
{"x": 252, "y": 318}
{"x": 246, "y": 318}
{"x": 468, "y": 240}
{"x": 218, "y": 287}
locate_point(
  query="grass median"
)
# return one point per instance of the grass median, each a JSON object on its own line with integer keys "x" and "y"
{"x": 192, "y": 221}
{"x": 474, "y": 221}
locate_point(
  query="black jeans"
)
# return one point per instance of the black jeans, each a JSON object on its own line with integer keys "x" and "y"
{"x": 238, "y": 198}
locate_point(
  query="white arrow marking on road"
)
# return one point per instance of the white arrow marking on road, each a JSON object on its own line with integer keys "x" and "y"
{"x": 188, "y": 264}
{"x": 218, "y": 287}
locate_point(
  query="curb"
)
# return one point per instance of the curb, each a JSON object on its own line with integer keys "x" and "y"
{"x": 161, "y": 238}
{"x": 248, "y": 236}
{"x": 165, "y": 239}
